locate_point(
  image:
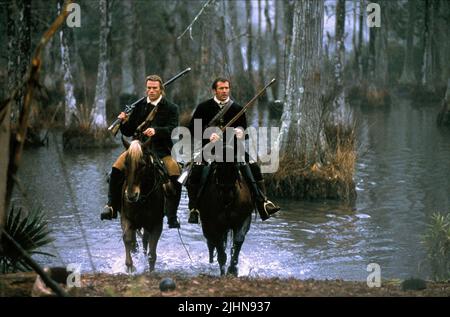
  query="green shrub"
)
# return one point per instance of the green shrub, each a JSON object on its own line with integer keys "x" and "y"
{"x": 30, "y": 231}
{"x": 437, "y": 241}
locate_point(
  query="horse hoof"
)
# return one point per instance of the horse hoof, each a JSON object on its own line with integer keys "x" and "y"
{"x": 233, "y": 270}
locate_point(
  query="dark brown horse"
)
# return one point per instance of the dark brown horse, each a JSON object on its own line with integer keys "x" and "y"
{"x": 225, "y": 205}
{"x": 142, "y": 201}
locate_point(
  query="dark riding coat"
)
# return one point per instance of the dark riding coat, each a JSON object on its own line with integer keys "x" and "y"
{"x": 208, "y": 109}
{"x": 164, "y": 122}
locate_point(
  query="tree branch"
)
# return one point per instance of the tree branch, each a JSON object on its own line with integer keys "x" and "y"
{"x": 189, "y": 27}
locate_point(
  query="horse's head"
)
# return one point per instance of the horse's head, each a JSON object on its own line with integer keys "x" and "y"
{"x": 138, "y": 170}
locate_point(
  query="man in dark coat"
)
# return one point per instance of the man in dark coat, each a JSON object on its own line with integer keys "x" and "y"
{"x": 160, "y": 129}
{"x": 207, "y": 111}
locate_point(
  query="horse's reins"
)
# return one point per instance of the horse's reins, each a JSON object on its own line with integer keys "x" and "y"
{"x": 184, "y": 245}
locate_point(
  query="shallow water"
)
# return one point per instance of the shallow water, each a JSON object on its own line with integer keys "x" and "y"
{"x": 402, "y": 177}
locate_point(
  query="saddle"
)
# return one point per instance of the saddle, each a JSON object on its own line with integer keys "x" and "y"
{"x": 161, "y": 173}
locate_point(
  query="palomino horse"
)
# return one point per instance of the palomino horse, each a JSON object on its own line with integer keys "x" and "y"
{"x": 225, "y": 205}
{"x": 142, "y": 201}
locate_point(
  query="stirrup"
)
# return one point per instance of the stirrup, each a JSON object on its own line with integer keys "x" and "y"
{"x": 193, "y": 216}
{"x": 270, "y": 207}
{"x": 108, "y": 213}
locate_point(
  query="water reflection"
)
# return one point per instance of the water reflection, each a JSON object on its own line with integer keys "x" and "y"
{"x": 400, "y": 179}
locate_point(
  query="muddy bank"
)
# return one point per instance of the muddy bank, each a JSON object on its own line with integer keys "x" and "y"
{"x": 147, "y": 285}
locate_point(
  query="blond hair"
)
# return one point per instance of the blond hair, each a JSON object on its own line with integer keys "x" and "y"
{"x": 158, "y": 79}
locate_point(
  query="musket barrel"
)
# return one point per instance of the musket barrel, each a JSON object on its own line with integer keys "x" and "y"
{"x": 248, "y": 104}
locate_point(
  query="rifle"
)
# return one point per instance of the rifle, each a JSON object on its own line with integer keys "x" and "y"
{"x": 183, "y": 177}
{"x": 114, "y": 127}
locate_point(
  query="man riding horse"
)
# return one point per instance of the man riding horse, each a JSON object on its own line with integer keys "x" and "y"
{"x": 162, "y": 117}
{"x": 221, "y": 107}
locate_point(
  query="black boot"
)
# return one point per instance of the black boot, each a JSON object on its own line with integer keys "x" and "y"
{"x": 196, "y": 180}
{"x": 172, "y": 203}
{"x": 265, "y": 207}
{"x": 193, "y": 211}
{"x": 114, "y": 195}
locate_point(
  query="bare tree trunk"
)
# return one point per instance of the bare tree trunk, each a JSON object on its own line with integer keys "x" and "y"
{"x": 443, "y": 118}
{"x": 436, "y": 44}
{"x": 128, "y": 47}
{"x": 220, "y": 32}
{"x": 381, "y": 57}
{"x": 226, "y": 35}
{"x": 276, "y": 49}
{"x": 339, "y": 111}
{"x": 354, "y": 41}
{"x": 23, "y": 52}
{"x": 261, "y": 65}
{"x": 5, "y": 123}
{"x": 408, "y": 77}
{"x": 447, "y": 92}
{"x": 101, "y": 89}
{"x": 239, "y": 75}
{"x": 301, "y": 126}
{"x": 238, "y": 58}
{"x": 248, "y": 10}
{"x": 427, "y": 64}
{"x": 139, "y": 57}
{"x": 69, "y": 96}
{"x": 360, "y": 39}
{"x": 207, "y": 57}
{"x": 13, "y": 44}
{"x": 446, "y": 35}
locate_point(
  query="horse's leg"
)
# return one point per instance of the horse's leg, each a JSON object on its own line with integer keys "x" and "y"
{"x": 145, "y": 238}
{"x": 153, "y": 239}
{"x": 127, "y": 237}
{"x": 134, "y": 244}
{"x": 211, "y": 251}
{"x": 221, "y": 253}
{"x": 239, "y": 234}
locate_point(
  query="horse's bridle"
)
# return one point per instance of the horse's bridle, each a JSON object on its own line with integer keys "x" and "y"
{"x": 156, "y": 182}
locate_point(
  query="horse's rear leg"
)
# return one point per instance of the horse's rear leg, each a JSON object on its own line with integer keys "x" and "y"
{"x": 235, "y": 250}
{"x": 211, "y": 251}
{"x": 238, "y": 239}
{"x": 145, "y": 238}
{"x": 221, "y": 254}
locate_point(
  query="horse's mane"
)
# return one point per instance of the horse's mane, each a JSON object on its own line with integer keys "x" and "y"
{"x": 135, "y": 152}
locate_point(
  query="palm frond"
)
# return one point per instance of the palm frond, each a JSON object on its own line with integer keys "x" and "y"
{"x": 30, "y": 231}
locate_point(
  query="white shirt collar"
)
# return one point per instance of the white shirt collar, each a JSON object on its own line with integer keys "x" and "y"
{"x": 221, "y": 102}
{"x": 155, "y": 103}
